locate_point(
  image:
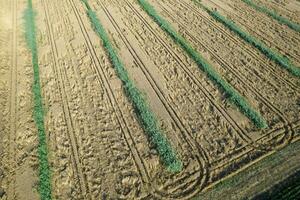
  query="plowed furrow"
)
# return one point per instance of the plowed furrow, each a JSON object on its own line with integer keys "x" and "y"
{"x": 271, "y": 40}
{"x": 156, "y": 88}
{"x": 186, "y": 135}
{"x": 60, "y": 81}
{"x": 271, "y": 69}
{"x": 140, "y": 163}
{"x": 207, "y": 94}
{"x": 124, "y": 38}
{"x": 13, "y": 106}
{"x": 281, "y": 84}
{"x": 99, "y": 138}
{"x": 145, "y": 26}
{"x": 241, "y": 77}
{"x": 265, "y": 138}
{"x": 284, "y": 10}
{"x": 102, "y": 77}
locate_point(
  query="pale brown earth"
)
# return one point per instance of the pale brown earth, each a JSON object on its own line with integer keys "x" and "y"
{"x": 97, "y": 149}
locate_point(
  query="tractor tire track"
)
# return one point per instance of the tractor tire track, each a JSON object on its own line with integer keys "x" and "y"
{"x": 208, "y": 95}
{"x": 196, "y": 148}
{"x": 247, "y": 49}
{"x": 237, "y": 74}
{"x": 264, "y": 36}
{"x": 129, "y": 139}
{"x": 103, "y": 79}
{"x": 258, "y": 146}
{"x": 13, "y": 107}
{"x": 139, "y": 162}
{"x": 66, "y": 109}
{"x": 283, "y": 10}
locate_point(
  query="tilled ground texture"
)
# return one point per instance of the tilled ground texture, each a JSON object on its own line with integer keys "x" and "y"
{"x": 98, "y": 145}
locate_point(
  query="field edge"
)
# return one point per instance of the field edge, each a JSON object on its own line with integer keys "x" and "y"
{"x": 236, "y": 182}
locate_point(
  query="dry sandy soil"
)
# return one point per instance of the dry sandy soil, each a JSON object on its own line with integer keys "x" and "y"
{"x": 97, "y": 148}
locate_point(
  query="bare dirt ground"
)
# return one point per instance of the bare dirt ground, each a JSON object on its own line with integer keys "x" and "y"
{"x": 97, "y": 148}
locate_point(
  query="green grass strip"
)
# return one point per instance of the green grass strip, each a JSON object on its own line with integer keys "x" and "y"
{"x": 284, "y": 62}
{"x": 231, "y": 93}
{"x": 38, "y": 113}
{"x": 289, "y": 188}
{"x": 274, "y": 15}
{"x": 145, "y": 115}
{"x": 277, "y": 164}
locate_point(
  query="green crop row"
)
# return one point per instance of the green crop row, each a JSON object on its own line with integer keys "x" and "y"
{"x": 274, "y": 15}
{"x": 231, "y": 93}
{"x": 145, "y": 115}
{"x": 38, "y": 113}
{"x": 274, "y": 56}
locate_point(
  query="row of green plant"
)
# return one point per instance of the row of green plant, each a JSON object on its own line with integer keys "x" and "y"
{"x": 146, "y": 116}
{"x": 38, "y": 112}
{"x": 274, "y": 15}
{"x": 284, "y": 62}
{"x": 230, "y": 92}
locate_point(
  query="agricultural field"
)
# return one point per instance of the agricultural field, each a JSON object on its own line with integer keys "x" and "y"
{"x": 149, "y": 99}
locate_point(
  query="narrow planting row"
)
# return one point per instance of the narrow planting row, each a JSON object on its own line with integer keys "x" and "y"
{"x": 38, "y": 112}
{"x": 231, "y": 93}
{"x": 146, "y": 116}
{"x": 274, "y": 15}
{"x": 284, "y": 62}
